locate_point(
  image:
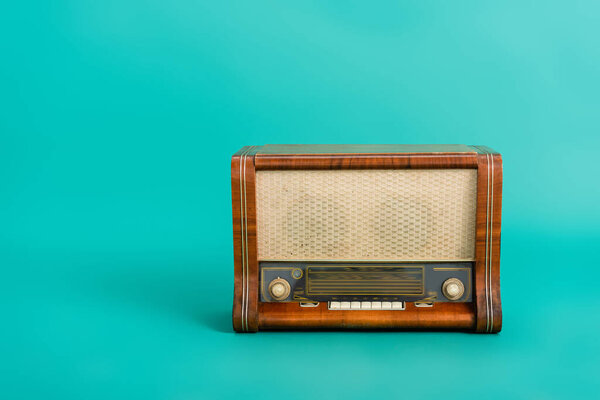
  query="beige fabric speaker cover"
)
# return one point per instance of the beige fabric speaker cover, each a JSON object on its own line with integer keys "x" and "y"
{"x": 366, "y": 214}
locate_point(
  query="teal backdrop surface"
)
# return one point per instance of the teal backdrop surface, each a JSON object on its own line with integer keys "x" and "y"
{"x": 118, "y": 120}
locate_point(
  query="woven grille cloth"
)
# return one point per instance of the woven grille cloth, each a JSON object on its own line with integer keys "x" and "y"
{"x": 366, "y": 214}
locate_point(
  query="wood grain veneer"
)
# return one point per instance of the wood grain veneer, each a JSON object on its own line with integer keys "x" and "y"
{"x": 454, "y": 316}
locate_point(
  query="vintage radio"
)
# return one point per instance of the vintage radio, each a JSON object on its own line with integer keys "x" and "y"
{"x": 367, "y": 237}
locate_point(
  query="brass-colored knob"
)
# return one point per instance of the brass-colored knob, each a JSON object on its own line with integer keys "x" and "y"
{"x": 279, "y": 289}
{"x": 453, "y": 289}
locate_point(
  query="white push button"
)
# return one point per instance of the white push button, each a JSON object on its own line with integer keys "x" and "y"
{"x": 364, "y": 305}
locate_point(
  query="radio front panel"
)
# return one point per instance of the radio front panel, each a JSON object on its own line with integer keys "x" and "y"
{"x": 306, "y": 282}
{"x": 366, "y": 237}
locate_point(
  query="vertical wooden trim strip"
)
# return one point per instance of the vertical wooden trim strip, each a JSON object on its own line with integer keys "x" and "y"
{"x": 496, "y": 320}
{"x": 247, "y": 263}
{"x": 238, "y": 254}
{"x": 242, "y": 237}
{"x": 482, "y": 242}
{"x": 491, "y": 249}
{"x": 245, "y": 250}
{"x": 487, "y": 246}
{"x": 247, "y": 282}
{"x": 243, "y": 223}
{"x": 242, "y": 231}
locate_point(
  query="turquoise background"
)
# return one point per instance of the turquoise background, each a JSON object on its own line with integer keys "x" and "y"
{"x": 117, "y": 123}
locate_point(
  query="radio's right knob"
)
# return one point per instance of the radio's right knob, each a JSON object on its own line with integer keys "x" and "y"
{"x": 453, "y": 289}
{"x": 279, "y": 289}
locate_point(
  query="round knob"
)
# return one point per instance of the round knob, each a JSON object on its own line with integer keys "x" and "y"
{"x": 279, "y": 289}
{"x": 453, "y": 289}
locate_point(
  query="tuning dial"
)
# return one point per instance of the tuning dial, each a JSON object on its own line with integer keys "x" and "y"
{"x": 453, "y": 289}
{"x": 279, "y": 289}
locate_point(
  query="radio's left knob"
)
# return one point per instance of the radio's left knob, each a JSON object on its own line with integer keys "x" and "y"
{"x": 279, "y": 289}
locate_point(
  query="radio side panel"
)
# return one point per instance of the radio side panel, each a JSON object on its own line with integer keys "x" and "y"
{"x": 487, "y": 245}
{"x": 245, "y": 299}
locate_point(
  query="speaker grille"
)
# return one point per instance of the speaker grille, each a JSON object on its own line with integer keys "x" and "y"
{"x": 366, "y": 214}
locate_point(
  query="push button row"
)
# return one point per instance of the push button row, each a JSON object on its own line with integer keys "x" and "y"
{"x": 366, "y": 305}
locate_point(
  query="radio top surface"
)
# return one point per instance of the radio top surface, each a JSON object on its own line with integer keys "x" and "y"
{"x": 364, "y": 149}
